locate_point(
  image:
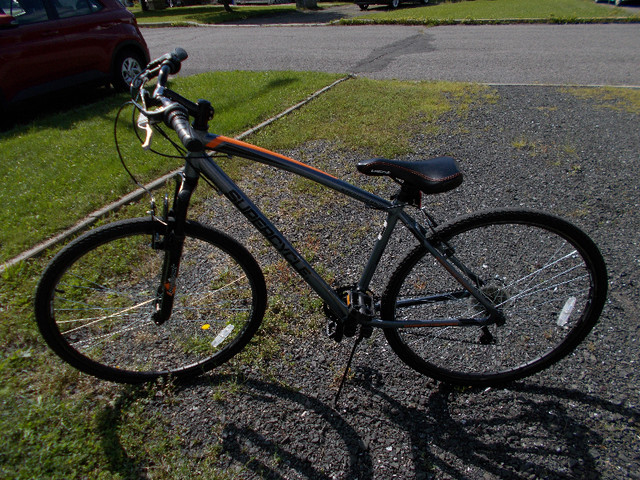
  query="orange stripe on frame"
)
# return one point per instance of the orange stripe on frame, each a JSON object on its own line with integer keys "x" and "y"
{"x": 220, "y": 139}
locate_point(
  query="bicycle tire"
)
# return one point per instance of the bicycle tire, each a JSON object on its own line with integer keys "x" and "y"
{"x": 94, "y": 302}
{"x": 545, "y": 274}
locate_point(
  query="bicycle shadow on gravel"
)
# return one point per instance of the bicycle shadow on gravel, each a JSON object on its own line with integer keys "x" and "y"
{"x": 267, "y": 430}
{"x": 250, "y": 437}
{"x": 282, "y": 451}
{"x": 515, "y": 443}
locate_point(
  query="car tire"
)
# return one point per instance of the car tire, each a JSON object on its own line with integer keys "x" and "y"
{"x": 394, "y": 4}
{"x": 127, "y": 65}
{"x": 363, "y": 6}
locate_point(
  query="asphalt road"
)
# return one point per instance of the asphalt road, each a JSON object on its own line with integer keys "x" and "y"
{"x": 496, "y": 54}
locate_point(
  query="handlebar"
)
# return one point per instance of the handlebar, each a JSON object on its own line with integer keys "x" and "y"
{"x": 175, "y": 109}
{"x": 178, "y": 119}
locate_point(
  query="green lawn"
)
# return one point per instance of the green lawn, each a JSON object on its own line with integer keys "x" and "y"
{"x": 208, "y": 13}
{"x": 437, "y": 12}
{"x": 64, "y": 166}
{"x": 499, "y": 11}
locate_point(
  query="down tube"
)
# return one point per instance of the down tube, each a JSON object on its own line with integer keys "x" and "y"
{"x": 230, "y": 190}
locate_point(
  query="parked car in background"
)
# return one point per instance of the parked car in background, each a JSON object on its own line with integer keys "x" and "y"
{"x": 364, "y": 4}
{"x": 617, "y": 2}
{"x": 48, "y": 45}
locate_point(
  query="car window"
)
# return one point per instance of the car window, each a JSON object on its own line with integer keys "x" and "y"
{"x": 25, "y": 11}
{"x": 75, "y": 8}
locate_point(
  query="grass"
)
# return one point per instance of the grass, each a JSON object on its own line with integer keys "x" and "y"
{"x": 209, "y": 14}
{"x": 436, "y": 13}
{"x": 65, "y": 166}
{"x": 499, "y": 11}
{"x": 351, "y": 115}
{"x": 626, "y": 100}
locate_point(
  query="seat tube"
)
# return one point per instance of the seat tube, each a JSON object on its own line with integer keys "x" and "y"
{"x": 379, "y": 248}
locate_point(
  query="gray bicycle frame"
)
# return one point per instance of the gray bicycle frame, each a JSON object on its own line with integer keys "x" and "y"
{"x": 204, "y": 164}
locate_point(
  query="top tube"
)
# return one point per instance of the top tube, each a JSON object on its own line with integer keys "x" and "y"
{"x": 230, "y": 146}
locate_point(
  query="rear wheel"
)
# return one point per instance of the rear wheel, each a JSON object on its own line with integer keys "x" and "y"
{"x": 544, "y": 274}
{"x": 94, "y": 303}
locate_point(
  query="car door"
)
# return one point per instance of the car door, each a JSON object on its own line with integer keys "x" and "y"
{"x": 85, "y": 25}
{"x": 32, "y": 53}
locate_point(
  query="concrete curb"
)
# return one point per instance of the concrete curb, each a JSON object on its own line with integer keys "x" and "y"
{"x": 140, "y": 192}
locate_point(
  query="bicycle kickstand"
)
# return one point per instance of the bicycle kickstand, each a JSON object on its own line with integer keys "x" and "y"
{"x": 359, "y": 338}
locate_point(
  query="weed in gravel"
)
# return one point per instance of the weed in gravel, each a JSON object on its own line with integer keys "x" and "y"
{"x": 223, "y": 391}
{"x": 626, "y": 100}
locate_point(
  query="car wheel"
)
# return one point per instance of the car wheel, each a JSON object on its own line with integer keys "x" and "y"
{"x": 127, "y": 65}
{"x": 395, "y": 3}
{"x": 424, "y": 2}
{"x": 363, "y": 6}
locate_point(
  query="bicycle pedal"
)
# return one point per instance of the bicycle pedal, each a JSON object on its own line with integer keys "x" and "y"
{"x": 362, "y": 304}
{"x": 334, "y": 330}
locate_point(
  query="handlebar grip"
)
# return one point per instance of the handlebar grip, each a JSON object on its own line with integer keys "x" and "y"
{"x": 178, "y": 119}
{"x": 174, "y": 59}
{"x": 180, "y": 54}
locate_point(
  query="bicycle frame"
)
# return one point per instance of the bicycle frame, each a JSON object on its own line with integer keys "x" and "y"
{"x": 203, "y": 163}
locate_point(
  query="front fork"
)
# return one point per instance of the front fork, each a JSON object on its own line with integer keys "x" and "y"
{"x": 171, "y": 241}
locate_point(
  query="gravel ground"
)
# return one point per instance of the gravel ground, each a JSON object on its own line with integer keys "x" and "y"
{"x": 537, "y": 147}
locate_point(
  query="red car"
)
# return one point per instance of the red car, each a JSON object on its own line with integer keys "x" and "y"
{"x": 47, "y": 45}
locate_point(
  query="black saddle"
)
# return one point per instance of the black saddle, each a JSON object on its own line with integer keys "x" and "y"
{"x": 435, "y": 175}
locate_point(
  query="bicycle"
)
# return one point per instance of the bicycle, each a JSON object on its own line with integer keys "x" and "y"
{"x": 485, "y": 299}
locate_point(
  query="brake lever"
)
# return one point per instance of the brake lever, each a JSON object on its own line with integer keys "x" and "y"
{"x": 143, "y": 120}
{"x": 143, "y": 123}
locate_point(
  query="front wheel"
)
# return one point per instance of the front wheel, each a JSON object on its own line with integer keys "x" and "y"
{"x": 95, "y": 302}
{"x": 545, "y": 275}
